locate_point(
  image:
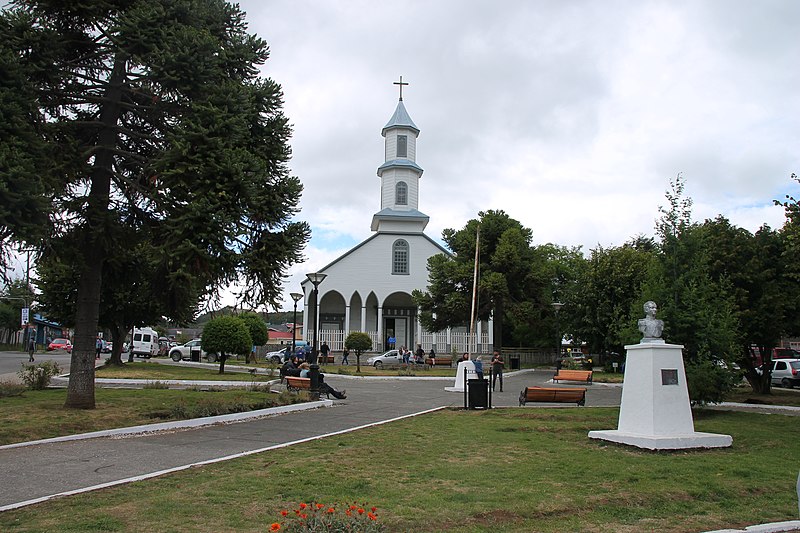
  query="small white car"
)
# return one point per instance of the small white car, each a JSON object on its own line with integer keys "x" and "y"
{"x": 390, "y": 358}
{"x": 785, "y": 372}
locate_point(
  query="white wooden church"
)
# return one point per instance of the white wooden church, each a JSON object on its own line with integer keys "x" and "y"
{"x": 369, "y": 288}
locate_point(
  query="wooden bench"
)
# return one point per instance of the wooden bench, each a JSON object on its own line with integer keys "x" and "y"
{"x": 294, "y": 384}
{"x": 440, "y": 361}
{"x": 554, "y": 395}
{"x": 573, "y": 375}
{"x": 322, "y": 360}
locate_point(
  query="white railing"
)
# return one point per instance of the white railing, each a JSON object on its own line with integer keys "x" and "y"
{"x": 459, "y": 341}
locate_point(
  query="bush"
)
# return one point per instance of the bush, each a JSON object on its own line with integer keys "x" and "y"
{"x": 709, "y": 383}
{"x": 9, "y": 389}
{"x": 37, "y": 377}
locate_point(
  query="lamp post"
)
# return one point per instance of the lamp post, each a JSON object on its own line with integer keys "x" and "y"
{"x": 315, "y": 278}
{"x": 295, "y": 296}
{"x": 557, "y": 307}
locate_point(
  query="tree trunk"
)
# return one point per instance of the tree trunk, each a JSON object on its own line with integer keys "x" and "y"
{"x": 80, "y": 390}
{"x": 497, "y": 326}
{"x": 116, "y": 349}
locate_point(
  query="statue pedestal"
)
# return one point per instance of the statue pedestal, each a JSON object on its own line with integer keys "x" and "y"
{"x": 463, "y": 367}
{"x": 655, "y": 412}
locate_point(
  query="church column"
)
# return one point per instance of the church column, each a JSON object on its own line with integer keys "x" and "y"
{"x": 491, "y": 331}
{"x": 380, "y": 328}
{"x": 364, "y": 318}
{"x": 449, "y": 343}
{"x": 478, "y": 343}
{"x": 346, "y": 320}
{"x": 419, "y": 329}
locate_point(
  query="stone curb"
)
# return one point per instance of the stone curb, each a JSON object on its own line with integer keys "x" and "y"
{"x": 774, "y": 527}
{"x": 179, "y": 424}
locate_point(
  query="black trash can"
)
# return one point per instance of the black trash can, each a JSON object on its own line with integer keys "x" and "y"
{"x": 514, "y": 363}
{"x": 194, "y": 355}
{"x": 478, "y": 393}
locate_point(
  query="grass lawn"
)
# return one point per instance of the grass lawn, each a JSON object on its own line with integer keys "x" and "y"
{"x": 467, "y": 471}
{"x": 40, "y": 414}
{"x": 777, "y": 396}
{"x": 157, "y": 371}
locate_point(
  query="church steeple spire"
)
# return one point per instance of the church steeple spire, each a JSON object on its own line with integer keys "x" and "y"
{"x": 400, "y": 175}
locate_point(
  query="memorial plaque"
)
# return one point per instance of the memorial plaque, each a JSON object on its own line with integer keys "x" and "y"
{"x": 669, "y": 376}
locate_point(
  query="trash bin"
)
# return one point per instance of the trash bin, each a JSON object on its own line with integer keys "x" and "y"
{"x": 478, "y": 393}
{"x": 195, "y": 354}
{"x": 514, "y": 363}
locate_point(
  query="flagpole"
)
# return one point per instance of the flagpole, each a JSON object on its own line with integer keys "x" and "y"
{"x": 474, "y": 292}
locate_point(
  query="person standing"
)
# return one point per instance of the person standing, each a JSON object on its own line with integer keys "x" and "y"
{"x": 432, "y": 357}
{"x": 345, "y": 355}
{"x": 419, "y": 355}
{"x": 31, "y": 348}
{"x": 497, "y": 369}
{"x": 98, "y": 347}
{"x": 478, "y": 366}
{"x": 324, "y": 350}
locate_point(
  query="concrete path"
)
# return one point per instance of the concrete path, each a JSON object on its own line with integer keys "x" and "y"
{"x": 36, "y": 473}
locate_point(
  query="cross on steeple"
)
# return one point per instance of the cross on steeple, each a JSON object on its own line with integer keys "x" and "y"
{"x": 400, "y": 83}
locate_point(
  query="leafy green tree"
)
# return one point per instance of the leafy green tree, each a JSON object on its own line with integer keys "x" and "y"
{"x": 505, "y": 277}
{"x": 359, "y": 342}
{"x": 148, "y": 115}
{"x": 609, "y": 285}
{"x": 226, "y": 335}
{"x": 259, "y": 332}
{"x": 16, "y": 294}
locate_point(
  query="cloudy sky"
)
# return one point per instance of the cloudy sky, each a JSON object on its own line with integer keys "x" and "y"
{"x": 572, "y": 116}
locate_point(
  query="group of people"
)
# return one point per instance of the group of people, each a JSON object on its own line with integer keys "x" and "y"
{"x": 418, "y": 357}
{"x": 497, "y": 364}
{"x": 293, "y": 367}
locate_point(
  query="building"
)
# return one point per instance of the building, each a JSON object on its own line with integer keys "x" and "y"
{"x": 369, "y": 288}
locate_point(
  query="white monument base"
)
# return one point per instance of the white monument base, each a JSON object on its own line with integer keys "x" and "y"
{"x": 655, "y": 412}
{"x": 463, "y": 366}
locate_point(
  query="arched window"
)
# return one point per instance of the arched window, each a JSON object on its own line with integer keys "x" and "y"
{"x": 400, "y": 257}
{"x": 402, "y": 146}
{"x": 401, "y": 193}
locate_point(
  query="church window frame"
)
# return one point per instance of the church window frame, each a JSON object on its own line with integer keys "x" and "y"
{"x": 402, "y": 146}
{"x": 401, "y": 193}
{"x": 400, "y": 257}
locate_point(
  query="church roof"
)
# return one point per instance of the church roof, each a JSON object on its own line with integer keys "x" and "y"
{"x": 393, "y": 163}
{"x": 400, "y": 119}
{"x": 441, "y": 248}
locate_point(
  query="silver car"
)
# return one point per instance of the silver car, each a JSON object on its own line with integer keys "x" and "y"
{"x": 390, "y": 358}
{"x": 786, "y": 372}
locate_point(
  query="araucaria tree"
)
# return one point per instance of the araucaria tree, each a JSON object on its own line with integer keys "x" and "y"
{"x": 146, "y": 116}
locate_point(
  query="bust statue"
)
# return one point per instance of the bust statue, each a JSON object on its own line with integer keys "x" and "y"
{"x": 650, "y": 326}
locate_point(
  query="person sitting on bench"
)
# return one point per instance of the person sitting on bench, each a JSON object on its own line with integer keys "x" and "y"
{"x": 324, "y": 388}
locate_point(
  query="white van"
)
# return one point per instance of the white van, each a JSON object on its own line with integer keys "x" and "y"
{"x": 145, "y": 342}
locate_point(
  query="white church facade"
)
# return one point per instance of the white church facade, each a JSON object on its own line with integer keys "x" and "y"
{"x": 369, "y": 288}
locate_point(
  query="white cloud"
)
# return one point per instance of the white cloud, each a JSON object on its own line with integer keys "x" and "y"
{"x": 570, "y": 116}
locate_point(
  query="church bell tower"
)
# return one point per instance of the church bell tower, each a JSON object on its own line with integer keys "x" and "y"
{"x": 400, "y": 175}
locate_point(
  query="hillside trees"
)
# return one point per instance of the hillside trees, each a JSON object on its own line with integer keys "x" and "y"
{"x": 148, "y": 116}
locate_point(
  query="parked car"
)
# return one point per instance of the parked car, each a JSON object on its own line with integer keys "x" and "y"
{"x": 184, "y": 352}
{"x": 786, "y": 372}
{"x": 108, "y": 347}
{"x": 785, "y": 353}
{"x": 60, "y": 344}
{"x": 279, "y": 356}
{"x": 390, "y": 358}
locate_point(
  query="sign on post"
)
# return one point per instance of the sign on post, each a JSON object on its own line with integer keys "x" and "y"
{"x": 25, "y": 316}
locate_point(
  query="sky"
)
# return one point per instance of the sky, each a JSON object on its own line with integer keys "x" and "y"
{"x": 571, "y": 116}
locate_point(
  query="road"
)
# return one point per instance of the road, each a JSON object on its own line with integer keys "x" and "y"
{"x": 10, "y": 362}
